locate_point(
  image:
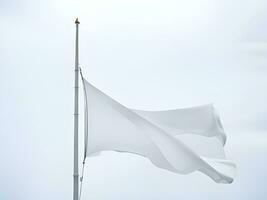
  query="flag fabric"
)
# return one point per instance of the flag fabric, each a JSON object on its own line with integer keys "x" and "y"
{"x": 181, "y": 140}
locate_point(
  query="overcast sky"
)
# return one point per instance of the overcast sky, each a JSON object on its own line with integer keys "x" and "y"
{"x": 147, "y": 54}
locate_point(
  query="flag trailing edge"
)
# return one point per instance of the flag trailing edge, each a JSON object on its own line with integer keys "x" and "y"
{"x": 181, "y": 140}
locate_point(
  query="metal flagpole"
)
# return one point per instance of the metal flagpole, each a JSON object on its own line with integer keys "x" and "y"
{"x": 76, "y": 117}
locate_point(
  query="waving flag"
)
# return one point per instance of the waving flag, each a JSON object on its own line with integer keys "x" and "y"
{"x": 181, "y": 141}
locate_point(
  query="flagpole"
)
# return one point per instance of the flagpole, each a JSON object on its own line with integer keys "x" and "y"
{"x": 76, "y": 117}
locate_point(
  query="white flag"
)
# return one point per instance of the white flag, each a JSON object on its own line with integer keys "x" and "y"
{"x": 181, "y": 141}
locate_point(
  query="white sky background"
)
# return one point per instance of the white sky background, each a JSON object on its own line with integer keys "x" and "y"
{"x": 147, "y": 55}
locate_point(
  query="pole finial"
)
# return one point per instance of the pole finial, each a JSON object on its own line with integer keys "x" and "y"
{"x": 77, "y": 21}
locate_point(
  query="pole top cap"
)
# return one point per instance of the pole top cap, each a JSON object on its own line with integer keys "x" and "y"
{"x": 77, "y": 21}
